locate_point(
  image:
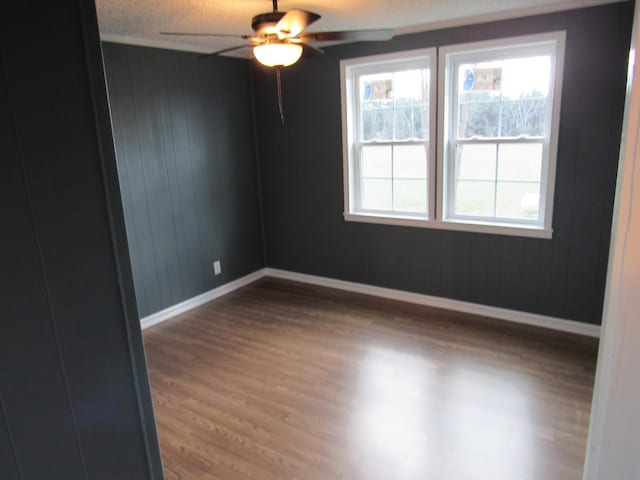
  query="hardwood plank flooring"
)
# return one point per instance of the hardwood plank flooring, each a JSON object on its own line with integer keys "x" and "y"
{"x": 287, "y": 381}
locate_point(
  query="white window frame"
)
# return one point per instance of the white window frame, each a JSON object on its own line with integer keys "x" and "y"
{"x": 441, "y": 67}
{"x": 350, "y": 69}
{"x": 450, "y": 57}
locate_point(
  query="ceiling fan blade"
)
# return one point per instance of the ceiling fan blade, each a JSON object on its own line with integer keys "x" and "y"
{"x": 295, "y": 21}
{"x": 347, "y": 35}
{"x": 310, "y": 52}
{"x": 224, "y": 50}
{"x": 198, "y": 34}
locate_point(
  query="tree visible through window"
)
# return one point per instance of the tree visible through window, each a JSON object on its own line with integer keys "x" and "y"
{"x": 393, "y": 105}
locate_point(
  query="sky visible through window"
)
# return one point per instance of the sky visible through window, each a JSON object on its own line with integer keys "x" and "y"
{"x": 520, "y": 75}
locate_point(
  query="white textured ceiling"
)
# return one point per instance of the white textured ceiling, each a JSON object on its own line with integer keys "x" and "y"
{"x": 139, "y": 21}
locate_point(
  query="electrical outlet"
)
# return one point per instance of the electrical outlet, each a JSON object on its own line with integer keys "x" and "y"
{"x": 217, "y": 268}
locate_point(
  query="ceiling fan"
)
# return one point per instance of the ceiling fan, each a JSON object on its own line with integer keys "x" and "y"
{"x": 280, "y": 40}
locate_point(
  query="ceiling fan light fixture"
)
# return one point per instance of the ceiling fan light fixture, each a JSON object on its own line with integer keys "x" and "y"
{"x": 277, "y": 54}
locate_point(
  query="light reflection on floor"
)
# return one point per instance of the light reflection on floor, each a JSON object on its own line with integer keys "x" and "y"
{"x": 483, "y": 431}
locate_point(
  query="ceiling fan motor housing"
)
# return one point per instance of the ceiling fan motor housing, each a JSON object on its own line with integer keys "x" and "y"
{"x": 266, "y": 21}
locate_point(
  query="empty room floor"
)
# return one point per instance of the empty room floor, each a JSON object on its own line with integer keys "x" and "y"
{"x": 280, "y": 380}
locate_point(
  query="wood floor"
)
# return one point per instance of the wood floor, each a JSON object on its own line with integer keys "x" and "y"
{"x": 286, "y": 381}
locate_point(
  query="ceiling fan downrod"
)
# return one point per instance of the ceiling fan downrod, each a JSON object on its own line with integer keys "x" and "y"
{"x": 275, "y": 5}
{"x": 279, "y": 86}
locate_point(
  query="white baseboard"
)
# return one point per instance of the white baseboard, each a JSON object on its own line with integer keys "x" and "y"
{"x": 201, "y": 299}
{"x": 516, "y": 316}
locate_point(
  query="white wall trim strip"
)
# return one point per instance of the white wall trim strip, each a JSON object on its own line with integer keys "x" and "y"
{"x": 515, "y": 316}
{"x": 201, "y": 299}
{"x": 506, "y": 14}
{"x": 614, "y": 432}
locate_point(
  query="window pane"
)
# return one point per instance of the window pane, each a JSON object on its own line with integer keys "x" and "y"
{"x": 410, "y": 86}
{"x": 503, "y": 98}
{"x": 376, "y": 106}
{"x": 474, "y": 198}
{"x": 376, "y": 161}
{"x": 410, "y": 161}
{"x": 518, "y": 200}
{"x": 520, "y": 162}
{"x": 393, "y": 105}
{"x": 476, "y": 162}
{"x": 376, "y": 194}
{"x": 410, "y": 196}
{"x": 525, "y": 88}
{"x": 411, "y": 120}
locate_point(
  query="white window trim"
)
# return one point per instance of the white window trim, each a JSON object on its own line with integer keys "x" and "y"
{"x": 550, "y": 145}
{"x": 347, "y": 85}
{"x": 438, "y": 125}
{"x": 514, "y": 230}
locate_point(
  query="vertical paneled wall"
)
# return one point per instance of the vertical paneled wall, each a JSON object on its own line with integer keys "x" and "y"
{"x": 183, "y": 129}
{"x": 74, "y": 395}
{"x": 301, "y": 165}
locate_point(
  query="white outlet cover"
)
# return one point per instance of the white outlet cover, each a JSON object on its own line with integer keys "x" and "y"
{"x": 217, "y": 268}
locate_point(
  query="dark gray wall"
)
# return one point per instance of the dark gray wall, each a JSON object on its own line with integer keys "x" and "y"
{"x": 183, "y": 129}
{"x": 74, "y": 396}
{"x": 301, "y": 165}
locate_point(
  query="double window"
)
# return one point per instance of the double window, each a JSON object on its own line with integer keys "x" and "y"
{"x": 496, "y": 136}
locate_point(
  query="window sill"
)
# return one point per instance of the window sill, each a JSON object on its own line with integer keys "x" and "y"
{"x": 401, "y": 220}
{"x": 455, "y": 225}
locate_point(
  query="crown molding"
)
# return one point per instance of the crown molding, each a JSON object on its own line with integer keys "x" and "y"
{"x": 503, "y": 15}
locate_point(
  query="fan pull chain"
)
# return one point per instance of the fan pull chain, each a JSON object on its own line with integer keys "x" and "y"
{"x": 279, "y": 83}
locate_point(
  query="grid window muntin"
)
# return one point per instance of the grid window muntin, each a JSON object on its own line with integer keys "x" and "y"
{"x": 549, "y": 45}
{"x": 353, "y": 72}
